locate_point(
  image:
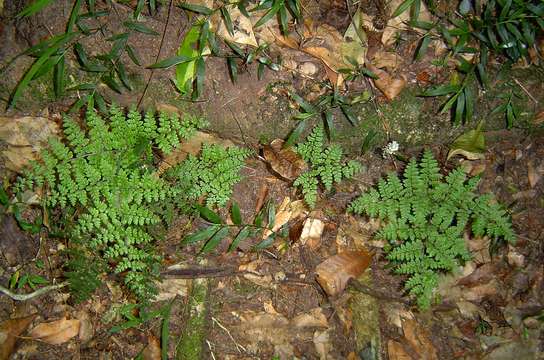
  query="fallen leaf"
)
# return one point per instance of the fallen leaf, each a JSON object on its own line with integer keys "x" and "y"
{"x": 287, "y": 210}
{"x": 170, "y": 288}
{"x": 25, "y": 137}
{"x": 242, "y": 28}
{"x": 538, "y": 118}
{"x": 396, "y": 351}
{"x": 534, "y": 174}
{"x": 322, "y": 343}
{"x": 56, "y": 332}
{"x": 285, "y": 162}
{"x": 419, "y": 339}
{"x": 86, "y": 330}
{"x": 334, "y": 273}
{"x": 313, "y": 318}
{"x": 311, "y": 233}
{"x": 480, "y": 275}
{"x": 10, "y": 331}
{"x": 400, "y": 23}
{"x": 477, "y": 293}
{"x": 471, "y": 145}
{"x": 386, "y": 59}
{"x": 389, "y": 86}
{"x": 153, "y": 349}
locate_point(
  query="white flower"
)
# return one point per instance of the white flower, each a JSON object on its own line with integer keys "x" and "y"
{"x": 390, "y": 149}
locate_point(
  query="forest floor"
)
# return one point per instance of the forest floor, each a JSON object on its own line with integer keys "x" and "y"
{"x": 267, "y": 304}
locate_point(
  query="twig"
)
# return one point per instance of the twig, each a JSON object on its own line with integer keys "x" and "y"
{"x": 238, "y": 346}
{"x": 525, "y": 90}
{"x": 24, "y": 297}
{"x": 376, "y": 293}
{"x": 158, "y": 54}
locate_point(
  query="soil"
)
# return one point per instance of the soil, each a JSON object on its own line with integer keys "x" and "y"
{"x": 267, "y": 304}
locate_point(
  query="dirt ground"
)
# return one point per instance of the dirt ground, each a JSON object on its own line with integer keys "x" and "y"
{"x": 267, "y": 304}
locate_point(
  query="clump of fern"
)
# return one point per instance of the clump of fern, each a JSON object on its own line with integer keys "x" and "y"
{"x": 210, "y": 176}
{"x": 103, "y": 179}
{"x": 425, "y": 216}
{"x": 326, "y": 165}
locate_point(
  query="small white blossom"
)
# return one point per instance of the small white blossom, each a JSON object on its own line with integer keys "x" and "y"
{"x": 390, "y": 149}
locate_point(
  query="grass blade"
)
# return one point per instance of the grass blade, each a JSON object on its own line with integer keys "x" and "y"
{"x": 58, "y": 82}
{"x": 33, "y": 8}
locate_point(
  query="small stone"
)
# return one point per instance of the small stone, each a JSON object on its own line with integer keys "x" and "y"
{"x": 514, "y": 258}
{"x": 308, "y": 68}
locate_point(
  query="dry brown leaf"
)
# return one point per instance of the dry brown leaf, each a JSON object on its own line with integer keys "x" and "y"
{"x": 311, "y": 233}
{"x": 285, "y": 162}
{"x": 313, "y": 318}
{"x": 538, "y": 118}
{"x": 386, "y": 59}
{"x": 534, "y": 174}
{"x": 243, "y": 29}
{"x": 419, "y": 339}
{"x": 334, "y": 273}
{"x": 56, "y": 332}
{"x": 396, "y": 351}
{"x": 479, "y": 276}
{"x": 287, "y": 210}
{"x": 399, "y": 23}
{"x": 322, "y": 343}
{"x": 477, "y": 293}
{"x": 86, "y": 330}
{"x": 9, "y": 331}
{"x": 153, "y": 349}
{"x": 388, "y": 85}
{"x": 170, "y": 288}
{"x": 25, "y": 137}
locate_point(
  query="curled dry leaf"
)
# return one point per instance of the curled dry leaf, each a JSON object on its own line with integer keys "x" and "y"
{"x": 288, "y": 210}
{"x": 56, "y": 332}
{"x": 389, "y": 86}
{"x": 311, "y": 233}
{"x": 534, "y": 174}
{"x": 9, "y": 331}
{"x": 334, "y": 273}
{"x": 285, "y": 162}
{"x": 153, "y": 349}
{"x": 419, "y": 339}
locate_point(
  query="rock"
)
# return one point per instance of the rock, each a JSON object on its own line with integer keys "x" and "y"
{"x": 308, "y": 68}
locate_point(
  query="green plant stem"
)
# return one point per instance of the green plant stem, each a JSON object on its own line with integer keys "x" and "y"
{"x": 24, "y": 297}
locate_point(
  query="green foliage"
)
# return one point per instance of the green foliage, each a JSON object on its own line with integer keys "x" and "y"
{"x": 83, "y": 273}
{"x": 105, "y": 172}
{"x": 326, "y": 165}
{"x": 211, "y": 175}
{"x": 425, "y": 217}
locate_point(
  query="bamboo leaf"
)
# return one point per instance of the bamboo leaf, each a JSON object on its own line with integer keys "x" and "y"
{"x": 297, "y": 131}
{"x": 111, "y": 83}
{"x": 200, "y": 75}
{"x": 215, "y": 240}
{"x": 260, "y": 71}
{"x": 283, "y": 20}
{"x": 441, "y": 90}
{"x": 233, "y": 69}
{"x": 133, "y": 55}
{"x": 33, "y": 8}
{"x": 265, "y": 243}
{"x": 197, "y": 8}
{"x": 270, "y": 14}
{"x": 200, "y": 235}
{"x": 227, "y": 19}
{"x": 348, "y": 114}
{"x": 271, "y": 215}
{"x": 235, "y": 214}
{"x": 139, "y": 27}
{"x": 209, "y": 214}
{"x": 303, "y": 103}
{"x": 58, "y": 76}
{"x": 73, "y": 16}
{"x": 121, "y": 72}
{"x": 460, "y": 108}
{"x": 171, "y": 61}
{"x": 402, "y": 8}
{"x": 242, "y": 235}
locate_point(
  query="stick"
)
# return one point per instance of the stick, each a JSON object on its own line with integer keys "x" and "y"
{"x": 24, "y": 297}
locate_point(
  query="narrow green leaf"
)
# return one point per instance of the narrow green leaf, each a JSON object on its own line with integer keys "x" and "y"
{"x": 73, "y": 16}
{"x": 165, "y": 332}
{"x": 233, "y": 69}
{"x": 196, "y": 8}
{"x": 423, "y": 46}
{"x": 33, "y": 8}
{"x": 215, "y": 240}
{"x": 212, "y": 42}
{"x": 348, "y": 114}
{"x": 294, "y": 7}
{"x": 510, "y": 117}
{"x": 133, "y": 55}
{"x": 441, "y": 90}
{"x": 235, "y": 214}
{"x": 271, "y": 215}
{"x": 265, "y": 243}
{"x": 402, "y": 8}
{"x": 47, "y": 66}
{"x": 238, "y": 50}
{"x": 152, "y": 6}
{"x": 78, "y": 104}
{"x": 460, "y": 108}
{"x": 469, "y": 103}
{"x": 200, "y": 235}
{"x": 269, "y": 14}
{"x": 329, "y": 126}
{"x": 227, "y": 20}
{"x": 242, "y": 235}
{"x": 242, "y": 7}
{"x": 448, "y": 104}
{"x": 260, "y": 71}
{"x": 295, "y": 134}
{"x": 139, "y": 27}
{"x": 505, "y": 9}
{"x": 121, "y": 72}
{"x": 92, "y": 5}
{"x": 283, "y": 20}
{"x": 171, "y": 61}
{"x": 100, "y": 103}
{"x": 200, "y": 75}
{"x": 58, "y": 76}
{"x": 138, "y": 10}
{"x": 414, "y": 10}
{"x": 303, "y": 103}
{"x": 23, "y": 84}
{"x": 4, "y": 198}
{"x": 203, "y": 38}
{"x": 112, "y": 83}
{"x": 258, "y": 222}
{"x": 209, "y": 214}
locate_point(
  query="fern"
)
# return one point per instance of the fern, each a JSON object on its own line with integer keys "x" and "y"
{"x": 425, "y": 216}
{"x": 210, "y": 175}
{"x": 326, "y": 166}
{"x": 105, "y": 171}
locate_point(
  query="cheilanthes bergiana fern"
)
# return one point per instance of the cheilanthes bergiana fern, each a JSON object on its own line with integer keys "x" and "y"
{"x": 325, "y": 165}
{"x": 103, "y": 176}
{"x": 425, "y": 216}
{"x": 211, "y": 175}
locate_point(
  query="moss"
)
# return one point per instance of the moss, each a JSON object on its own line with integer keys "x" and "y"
{"x": 191, "y": 342}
